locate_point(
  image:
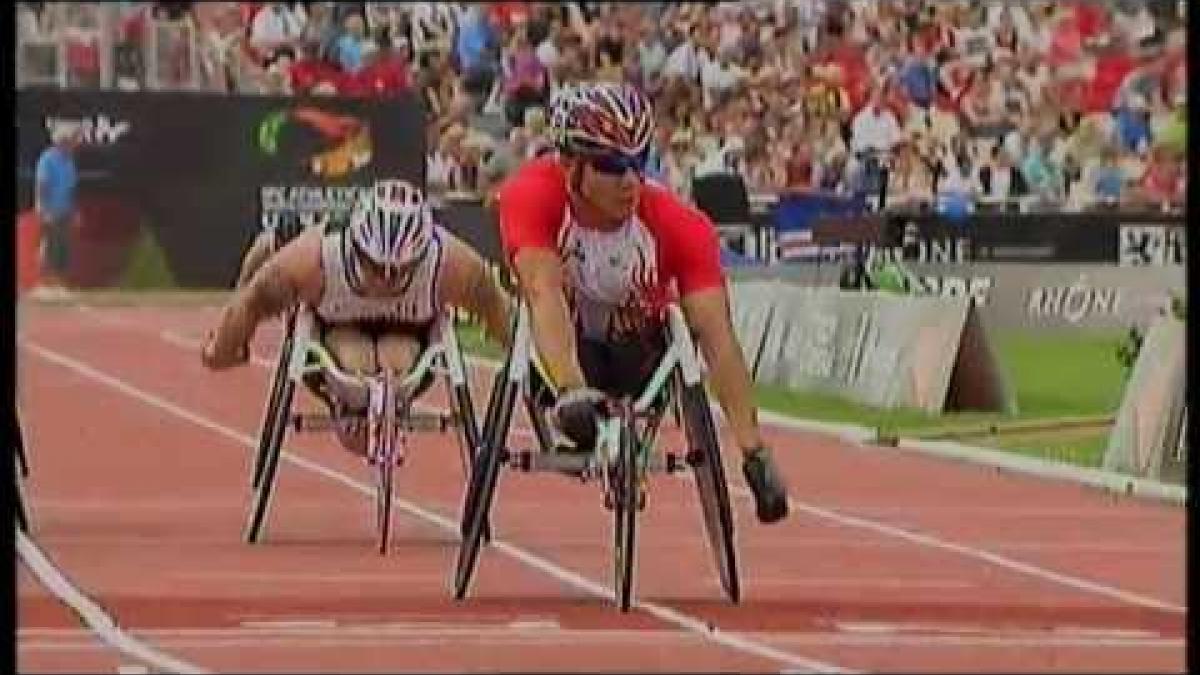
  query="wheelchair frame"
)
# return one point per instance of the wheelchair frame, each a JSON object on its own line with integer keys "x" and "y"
{"x": 622, "y": 457}
{"x": 302, "y": 356}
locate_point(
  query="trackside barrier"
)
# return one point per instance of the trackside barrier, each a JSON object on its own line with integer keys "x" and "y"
{"x": 875, "y": 348}
{"x": 1148, "y": 439}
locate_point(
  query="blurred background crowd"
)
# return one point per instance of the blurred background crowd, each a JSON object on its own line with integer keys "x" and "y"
{"x": 944, "y": 105}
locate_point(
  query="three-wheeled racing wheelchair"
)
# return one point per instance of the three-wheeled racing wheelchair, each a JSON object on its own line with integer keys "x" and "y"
{"x": 624, "y": 454}
{"x": 389, "y": 401}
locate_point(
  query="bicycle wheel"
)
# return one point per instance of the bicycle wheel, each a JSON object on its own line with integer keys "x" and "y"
{"x": 270, "y": 466}
{"x": 277, "y": 379}
{"x": 482, "y": 487}
{"x": 704, "y": 456}
{"x": 384, "y": 427}
{"x": 625, "y": 487}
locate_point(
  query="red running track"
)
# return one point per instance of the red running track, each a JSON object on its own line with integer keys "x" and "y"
{"x": 890, "y": 562}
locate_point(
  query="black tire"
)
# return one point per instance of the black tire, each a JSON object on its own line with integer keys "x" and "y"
{"x": 271, "y": 454}
{"x": 704, "y": 456}
{"x": 470, "y": 438}
{"x": 482, "y": 488}
{"x": 383, "y": 499}
{"x": 22, "y": 513}
{"x": 385, "y": 469}
{"x": 626, "y": 487}
{"x": 22, "y": 460}
{"x": 277, "y": 379}
{"x": 461, "y": 396}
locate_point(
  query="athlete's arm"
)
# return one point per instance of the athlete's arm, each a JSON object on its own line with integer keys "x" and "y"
{"x": 531, "y": 207}
{"x": 540, "y": 275}
{"x": 468, "y": 283}
{"x": 288, "y": 277}
{"x": 705, "y": 303}
{"x": 707, "y": 313}
{"x": 260, "y": 250}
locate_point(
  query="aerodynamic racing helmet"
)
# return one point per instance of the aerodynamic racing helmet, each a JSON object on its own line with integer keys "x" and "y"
{"x": 393, "y": 226}
{"x": 601, "y": 118}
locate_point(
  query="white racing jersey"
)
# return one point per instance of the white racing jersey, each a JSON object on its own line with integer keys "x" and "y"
{"x": 609, "y": 276}
{"x": 415, "y": 304}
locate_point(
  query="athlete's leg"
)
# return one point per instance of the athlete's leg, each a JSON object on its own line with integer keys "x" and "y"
{"x": 397, "y": 350}
{"x": 352, "y": 348}
{"x": 354, "y": 351}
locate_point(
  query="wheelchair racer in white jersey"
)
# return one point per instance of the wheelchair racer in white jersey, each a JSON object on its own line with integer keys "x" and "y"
{"x": 376, "y": 288}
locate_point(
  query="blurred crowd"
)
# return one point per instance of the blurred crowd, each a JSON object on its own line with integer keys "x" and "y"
{"x": 952, "y": 105}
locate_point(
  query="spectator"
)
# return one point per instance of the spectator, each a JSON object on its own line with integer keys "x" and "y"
{"x": 276, "y": 26}
{"x": 386, "y": 71}
{"x": 1042, "y": 176}
{"x": 1000, "y": 182}
{"x": 348, "y": 51}
{"x": 1106, "y": 179}
{"x": 322, "y": 29}
{"x": 526, "y": 81}
{"x": 1163, "y": 184}
{"x": 433, "y": 25}
{"x": 1133, "y": 125}
{"x": 956, "y": 187}
{"x": 917, "y": 76}
{"x": 307, "y": 71}
{"x": 910, "y": 181}
{"x": 874, "y": 128}
{"x": 56, "y": 182}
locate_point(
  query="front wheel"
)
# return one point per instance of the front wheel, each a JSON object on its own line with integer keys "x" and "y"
{"x": 704, "y": 456}
{"x": 384, "y": 428}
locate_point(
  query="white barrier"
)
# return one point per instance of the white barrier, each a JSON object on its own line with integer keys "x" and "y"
{"x": 876, "y": 348}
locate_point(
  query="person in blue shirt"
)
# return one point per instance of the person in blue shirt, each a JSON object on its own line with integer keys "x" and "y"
{"x": 54, "y": 198}
{"x": 1133, "y": 124}
{"x": 349, "y": 47}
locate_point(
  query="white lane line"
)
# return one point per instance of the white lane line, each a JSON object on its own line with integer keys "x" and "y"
{"x": 685, "y": 621}
{"x": 99, "y": 621}
{"x": 66, "y": 638}
{"x": 918, "y": 538}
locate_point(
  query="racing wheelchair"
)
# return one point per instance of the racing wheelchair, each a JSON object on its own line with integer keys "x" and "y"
{"x": 388, "y": 399}
{"x": 621, "y": 461}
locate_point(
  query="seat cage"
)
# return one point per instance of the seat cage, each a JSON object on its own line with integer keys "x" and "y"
{"x": 310, "y": 356}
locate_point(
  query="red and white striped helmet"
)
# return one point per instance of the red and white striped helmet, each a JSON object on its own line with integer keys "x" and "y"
{"x": 393, "y": 225}
{"x": 602, "y": 117}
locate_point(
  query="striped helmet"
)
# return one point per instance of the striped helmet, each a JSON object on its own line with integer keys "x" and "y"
{"x": 602, "y": 117}
{"x": 393, "y": 225}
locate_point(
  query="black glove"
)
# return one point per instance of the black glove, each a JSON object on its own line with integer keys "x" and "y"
{"x": 576, "y": 413}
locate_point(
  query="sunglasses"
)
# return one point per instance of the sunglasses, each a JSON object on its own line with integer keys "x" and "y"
{"x": 616, "y": 164}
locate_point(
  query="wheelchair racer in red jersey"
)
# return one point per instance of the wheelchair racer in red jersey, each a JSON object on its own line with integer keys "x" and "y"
{"x": 599, "y": 253}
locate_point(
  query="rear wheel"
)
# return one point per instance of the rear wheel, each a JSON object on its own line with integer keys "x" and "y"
{"x": 271, "y": 450}
{"x": 482, "y": 487}
{"x": 279, "y": 376}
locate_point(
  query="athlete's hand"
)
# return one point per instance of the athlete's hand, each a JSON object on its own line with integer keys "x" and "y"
{"x": 218, "y": 356}
{"x": 576, "y": 413}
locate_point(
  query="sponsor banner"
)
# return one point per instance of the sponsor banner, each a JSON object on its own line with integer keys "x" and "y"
{"x": 205, "y": 171}
{"x": 1143, "y": 244}
{"x": 1101, "y": 238}
{"x": 879, "y": 349}
{"x": 1026, "y": 295}
{"x": 1146, "y": 436}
